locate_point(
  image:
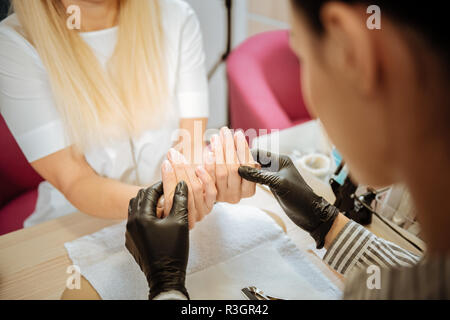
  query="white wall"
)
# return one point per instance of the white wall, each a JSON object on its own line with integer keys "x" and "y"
{"x": 212, "y": 16}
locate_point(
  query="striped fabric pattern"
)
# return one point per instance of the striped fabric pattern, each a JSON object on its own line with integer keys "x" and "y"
{"x": 356, "y": 247}
{"x": 429, "y": 279}
{"x": 402, "y": 274}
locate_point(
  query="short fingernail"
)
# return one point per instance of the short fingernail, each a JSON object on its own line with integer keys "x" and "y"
{"x": 240, "y": 135}
{"x": 176, "y": 156}
{"x": 167, "y": 167}
{"x": 225, "y": 131}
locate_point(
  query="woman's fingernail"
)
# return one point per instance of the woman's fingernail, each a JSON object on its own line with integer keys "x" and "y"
{"x": 167, "y": 167}
{"x": 240, "y": 135}
{"x": 176, "y": 157}
{"x": 225, "y": 131}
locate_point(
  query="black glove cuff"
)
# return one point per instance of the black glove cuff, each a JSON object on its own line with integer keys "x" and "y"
{"x": 327, "y": 213}
{"x": 169, "y": 278}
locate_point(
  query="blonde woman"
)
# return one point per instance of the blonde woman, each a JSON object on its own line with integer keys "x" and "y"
{"x": 94, "y": 110}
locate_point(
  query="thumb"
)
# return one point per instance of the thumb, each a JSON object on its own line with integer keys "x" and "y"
{"x": 149, "y": 198}
{"x": 180, "y": 201}
{"x": 268, "y": 178}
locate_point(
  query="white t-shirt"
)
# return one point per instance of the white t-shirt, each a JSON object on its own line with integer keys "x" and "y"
{"x": 28, "y": 107}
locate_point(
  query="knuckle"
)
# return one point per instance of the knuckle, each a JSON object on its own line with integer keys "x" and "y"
{"x": 208, "y": 180}
{"x": 221, "y": 174}
{"x": 234, "y": 168}
{"x": 220, "y": 197}
{"x": 235, "y": 198}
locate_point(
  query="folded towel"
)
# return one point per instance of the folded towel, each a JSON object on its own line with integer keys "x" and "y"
{"x": 226, "y": 232}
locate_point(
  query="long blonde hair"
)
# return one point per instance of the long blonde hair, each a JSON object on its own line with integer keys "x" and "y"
{"x": 99, "y": 105}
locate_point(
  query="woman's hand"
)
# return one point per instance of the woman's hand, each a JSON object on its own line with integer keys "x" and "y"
{"x": 201, "y": 188}
{"x": 229, "y": 152}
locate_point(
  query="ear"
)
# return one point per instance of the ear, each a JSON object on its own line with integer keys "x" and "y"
{"x": 351, "y": 44}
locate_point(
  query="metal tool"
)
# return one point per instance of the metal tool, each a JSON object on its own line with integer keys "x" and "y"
{"x": 253, "y": 293}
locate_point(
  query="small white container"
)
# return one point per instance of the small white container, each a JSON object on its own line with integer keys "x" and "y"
{"x": 316, "y": 163}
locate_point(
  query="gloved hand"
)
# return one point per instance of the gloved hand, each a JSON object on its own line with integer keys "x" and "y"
{"x": 306, "y": 209}
{"x": 160, "y": 246}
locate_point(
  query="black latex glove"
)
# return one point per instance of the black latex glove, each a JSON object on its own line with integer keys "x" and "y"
{"x": 160, "y": 246}
{"x": 306, "y": 209}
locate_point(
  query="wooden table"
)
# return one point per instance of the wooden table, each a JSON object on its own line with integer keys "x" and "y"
{"x": 33, "y": 261}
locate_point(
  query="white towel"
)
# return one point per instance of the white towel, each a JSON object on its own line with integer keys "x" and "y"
{"x": 225, "y": 233}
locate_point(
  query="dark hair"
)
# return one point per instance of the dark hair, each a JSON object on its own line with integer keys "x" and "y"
{"x": 4, "y": 9}
{"x": 428, "y": 18}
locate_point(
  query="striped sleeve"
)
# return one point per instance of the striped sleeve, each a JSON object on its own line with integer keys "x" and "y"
{"x": 428, "y": 279}
{"x": 355, "y": 246}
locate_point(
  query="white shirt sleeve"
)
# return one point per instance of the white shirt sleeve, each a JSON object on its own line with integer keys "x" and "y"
{"x": 26, "y": 100}
{"x": 170, "y": 295}
{"x": 192, "y": 83}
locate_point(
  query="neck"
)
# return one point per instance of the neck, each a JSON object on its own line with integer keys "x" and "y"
{"x": 428, "y": 182}
{"x": 420, "y": 136}
{"x": 96, "y": 15}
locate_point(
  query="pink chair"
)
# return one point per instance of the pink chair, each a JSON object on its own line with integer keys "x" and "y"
{"x": 18, "y": 183}
{"x": 264, "y": 84}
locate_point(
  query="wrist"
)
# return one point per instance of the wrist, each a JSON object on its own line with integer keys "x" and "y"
{"x": 325, "y": 214}
{"x": 336, "y": 227}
